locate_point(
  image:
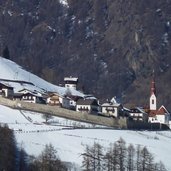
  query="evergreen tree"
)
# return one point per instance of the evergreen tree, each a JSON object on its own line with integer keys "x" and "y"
{"x": 122, "y": 154}
{"x": 93, "y": 158}
{"x": 6, "y": 53}
{"x": 7, "y": 149}
{"x": 130, "y": 157}
{"x": 22, "y": 163}
{"x": 86, "y": 164}
{"x": 48, "y": 160}
{"x": 118, "y": 157}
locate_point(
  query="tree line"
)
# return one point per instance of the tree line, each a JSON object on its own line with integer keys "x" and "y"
{"x": 14, "y": 158}
{"x": 119, "y": 157}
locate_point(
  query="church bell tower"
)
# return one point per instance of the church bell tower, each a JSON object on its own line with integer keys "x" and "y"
{"x": 153, "y": 99}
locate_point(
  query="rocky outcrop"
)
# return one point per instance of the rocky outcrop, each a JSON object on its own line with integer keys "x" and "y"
{"x": 111, "y": 45}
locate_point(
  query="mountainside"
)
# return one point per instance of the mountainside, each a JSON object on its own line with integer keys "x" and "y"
{"x": 113, "y": 46}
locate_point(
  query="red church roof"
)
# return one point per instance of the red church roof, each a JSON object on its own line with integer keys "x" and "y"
{"x": 152, "y": 113}
{"x": 161, "y": 111}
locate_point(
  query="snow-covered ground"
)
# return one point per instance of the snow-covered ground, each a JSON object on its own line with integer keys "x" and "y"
{"x": 12, "y": 71}
{"x": 33, "y": 134}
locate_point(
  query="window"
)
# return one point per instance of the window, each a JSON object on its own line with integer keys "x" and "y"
{"x": 153, "y": 101}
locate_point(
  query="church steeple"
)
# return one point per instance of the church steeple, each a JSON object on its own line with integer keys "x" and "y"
{"x": 153, "y": 99}
{"x": 153, "y": 86}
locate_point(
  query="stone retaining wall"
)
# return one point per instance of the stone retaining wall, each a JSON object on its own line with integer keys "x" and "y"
{"x": 61, "y": 112}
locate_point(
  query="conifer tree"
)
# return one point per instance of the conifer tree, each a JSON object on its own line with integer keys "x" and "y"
{"x": 6, "y": 53}
{"x": 130, "y": 157}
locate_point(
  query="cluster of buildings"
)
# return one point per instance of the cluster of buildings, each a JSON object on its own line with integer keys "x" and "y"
{"x": 90, "y": 104}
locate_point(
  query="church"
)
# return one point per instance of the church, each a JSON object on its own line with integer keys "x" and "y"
{"x": 157, "y": 115}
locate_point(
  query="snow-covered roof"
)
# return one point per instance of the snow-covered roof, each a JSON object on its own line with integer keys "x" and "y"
{"x": 6, "y": 84}
{"x": 87, "y": 102}
{"x": 110, "y": 104}
{"x": 12, "y": 71}
{"x": 71, "y": 79}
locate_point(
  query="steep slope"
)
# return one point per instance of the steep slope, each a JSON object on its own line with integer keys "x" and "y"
{"x": 9, "y": 70}
{"x": 111, "y": 45}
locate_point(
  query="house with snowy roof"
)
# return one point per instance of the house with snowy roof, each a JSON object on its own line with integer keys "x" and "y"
{"x": 25, "y": 90}
{"x": 160, "y": 115}
{"x": 138, "y": 114}
{"x": 71, "y": 82}
{"x": 32, "y": 98}
{"x": 87, "y": 105}
{"x": 70, "y": 101}
{"x": 54, "y": 99}
{"x": 111, "y": 108}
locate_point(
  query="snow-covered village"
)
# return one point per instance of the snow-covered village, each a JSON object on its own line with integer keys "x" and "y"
{"x": 85, "y": 85}
{"x": 17, "y": 88}
{"x": 149, "y": 127}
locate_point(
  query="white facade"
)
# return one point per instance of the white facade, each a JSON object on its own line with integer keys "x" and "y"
{"x": 110, "y": 109}
{"x": 29, "y": 99}
{"x": 138, "y": 114}
{"x": 153, "y": 102}
{"x": 87, "y": 105}
{"x": 164, "y": 119}
{"x": 160, "y": 116}
{"x": 85, "y": 108}
{"x": 170, "y": 124}
{"x": 54, "y": 99}
{"x": 152, "y": 119}
{"x": 7, "y": 92}
{"x": 32, "y": 98}
{"x": 71, "y": 82}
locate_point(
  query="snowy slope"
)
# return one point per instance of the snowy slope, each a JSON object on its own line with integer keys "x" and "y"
{"x": 12, "y": 71}
{"x": 33, "y": 134}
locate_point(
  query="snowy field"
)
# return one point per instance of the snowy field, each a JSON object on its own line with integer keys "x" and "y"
{"x": 33, "y": 134}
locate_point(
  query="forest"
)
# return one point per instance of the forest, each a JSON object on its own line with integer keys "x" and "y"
{"x": 14, "y": 158}
{"x": 117, "y": 157}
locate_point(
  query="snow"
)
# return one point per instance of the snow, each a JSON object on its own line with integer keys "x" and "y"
{"x": 64, "y": 3}
{"x": 12, "y": 71}
{"x": 33, "y": 134}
